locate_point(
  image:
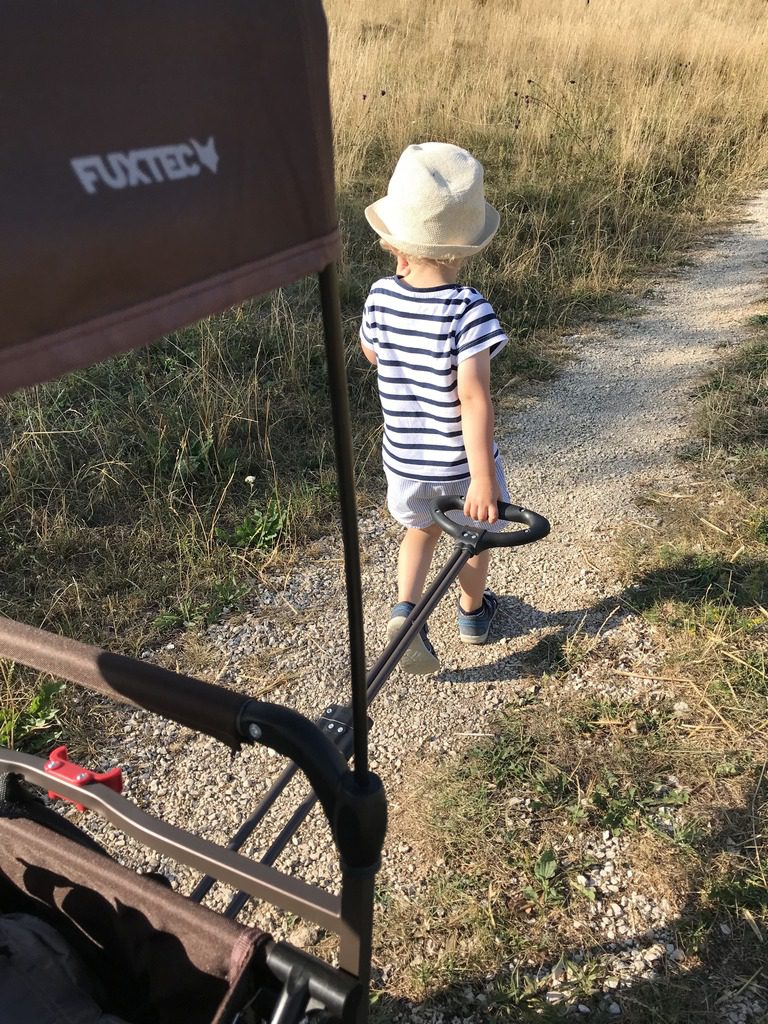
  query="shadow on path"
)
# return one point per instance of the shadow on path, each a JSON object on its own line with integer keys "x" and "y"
{"x": 707, "y": 966}
{"x": 690, "y": 579}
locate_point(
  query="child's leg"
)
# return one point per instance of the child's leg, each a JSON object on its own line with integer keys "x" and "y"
{"x": 414, "y": 560}
{"x": 472, "y": 579}
{"x": 413, "y": 564}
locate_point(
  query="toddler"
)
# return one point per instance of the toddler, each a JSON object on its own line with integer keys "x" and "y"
{"x": 432, "y": 341}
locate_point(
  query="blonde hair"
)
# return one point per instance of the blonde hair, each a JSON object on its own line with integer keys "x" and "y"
{"x": 449, "y": 262}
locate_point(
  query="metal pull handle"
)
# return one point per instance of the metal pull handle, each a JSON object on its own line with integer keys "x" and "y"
{"x": 479, "y": 539}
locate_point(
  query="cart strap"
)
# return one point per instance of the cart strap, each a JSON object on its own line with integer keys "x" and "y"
{"x": 162, "y": 160}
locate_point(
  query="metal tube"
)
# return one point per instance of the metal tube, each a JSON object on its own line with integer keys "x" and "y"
{"x": 292, "y": 1002}
{"x": 355, "y": 946}
{"x": 345, "y": 469}
{"x": 259, "y": 880}
{"x": 280, "y": 842}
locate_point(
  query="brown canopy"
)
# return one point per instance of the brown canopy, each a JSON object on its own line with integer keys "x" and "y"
{"x": 161, "y": 160}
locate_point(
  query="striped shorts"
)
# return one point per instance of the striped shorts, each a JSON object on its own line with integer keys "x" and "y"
{"x": 409, "y": 501}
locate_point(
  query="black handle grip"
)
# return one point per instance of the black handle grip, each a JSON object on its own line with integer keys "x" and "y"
{"x": 480, "y": 539}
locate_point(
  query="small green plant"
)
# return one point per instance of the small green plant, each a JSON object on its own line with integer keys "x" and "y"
{"x": 621, "y": 804}
{"x": 516, "y": 989}
{"x": 259, "y": 529}
{"x": 223, "y": 597}
{"x": 194, "y": 455}
{"x": 507, "y": 759}
{"x": 552, "y": 787}
{"x": 739, "y": 888}
{"x": 546, "y": 889}
{"x": 172, "y": 618}
{"x": 731, "y": 765}
{"x": 31, "y": 724}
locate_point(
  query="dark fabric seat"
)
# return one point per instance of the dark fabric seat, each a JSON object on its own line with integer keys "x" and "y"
{"x": 160, "y": 958}
{"x": 42, "y": 978}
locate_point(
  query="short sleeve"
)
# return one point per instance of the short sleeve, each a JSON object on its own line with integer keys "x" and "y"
{"x": 367, "y": 328}
{"x": 477, "y": 328}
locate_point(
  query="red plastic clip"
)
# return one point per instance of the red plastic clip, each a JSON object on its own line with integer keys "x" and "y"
{"x": 59, "y": 765}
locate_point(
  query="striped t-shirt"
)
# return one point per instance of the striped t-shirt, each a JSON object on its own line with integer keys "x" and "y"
{"x": 420, "y": 335}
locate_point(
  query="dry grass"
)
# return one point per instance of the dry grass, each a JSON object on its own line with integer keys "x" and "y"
{"x": 644, "y": 75}
{"x": 599, "y": 125}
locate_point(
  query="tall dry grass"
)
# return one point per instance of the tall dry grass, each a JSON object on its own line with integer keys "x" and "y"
{"x": 610, "y": 131}
{"x": 605, "y": 127}
{"x": 645, "y": 74}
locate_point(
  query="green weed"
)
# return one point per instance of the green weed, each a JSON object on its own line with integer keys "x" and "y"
{"x": 29, "y": 711}
{"x": 622, "y": 804}
{"x": 546, "y": 889}
{"x": 259, "y": 529}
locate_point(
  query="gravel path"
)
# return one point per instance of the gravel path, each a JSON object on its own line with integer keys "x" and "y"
{"x": 585, "y": 447}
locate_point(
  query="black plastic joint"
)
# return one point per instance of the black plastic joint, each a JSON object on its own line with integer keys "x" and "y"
{"x": 341, "y": 994}
{"x": 361, "y": 821}
{"x": 470, "y": 540}
{"x": 336, "y": 723}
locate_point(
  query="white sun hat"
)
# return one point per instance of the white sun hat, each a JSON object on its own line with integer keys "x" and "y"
{"x": 434, "y": 206}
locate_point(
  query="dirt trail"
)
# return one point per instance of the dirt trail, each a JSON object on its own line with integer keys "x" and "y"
{"x": 604, "y": 431}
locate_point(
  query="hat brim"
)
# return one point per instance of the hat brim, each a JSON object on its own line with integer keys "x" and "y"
{"x": 376, "y": 212}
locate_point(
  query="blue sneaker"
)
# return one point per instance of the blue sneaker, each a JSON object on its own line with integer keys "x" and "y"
{"x": 420, "y": 658}
{"x": 474, "y": 629}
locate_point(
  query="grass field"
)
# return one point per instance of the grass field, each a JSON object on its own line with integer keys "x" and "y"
{"x": 611, "y": 134}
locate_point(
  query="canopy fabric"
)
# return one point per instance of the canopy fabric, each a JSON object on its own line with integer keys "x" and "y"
{"x": 161, "y": 161}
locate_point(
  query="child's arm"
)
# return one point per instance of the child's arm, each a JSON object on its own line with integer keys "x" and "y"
{"x": 474, "y": 388}
{"x": 368, "y": 352}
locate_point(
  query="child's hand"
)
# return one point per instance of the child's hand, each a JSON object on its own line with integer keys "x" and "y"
{"x": 482, "y": 498}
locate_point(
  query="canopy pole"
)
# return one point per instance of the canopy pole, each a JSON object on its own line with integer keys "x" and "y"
{"x": 345, "y": 470}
